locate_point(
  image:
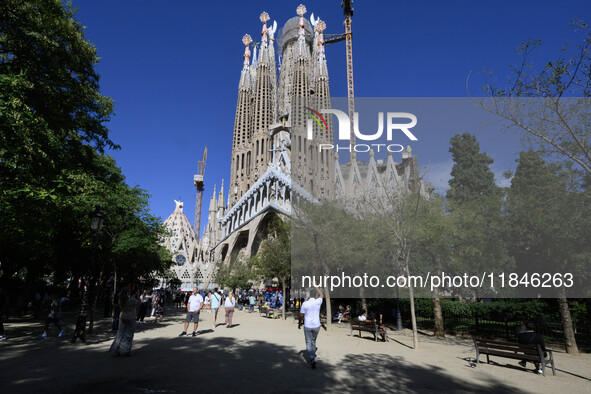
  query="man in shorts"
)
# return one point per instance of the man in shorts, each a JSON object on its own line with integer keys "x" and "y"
{"x": 194, "y": 305}
{"x": 216, "y": 299}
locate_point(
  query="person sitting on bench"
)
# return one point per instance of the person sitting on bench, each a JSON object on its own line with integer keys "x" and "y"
{"x": 531, "y": 337}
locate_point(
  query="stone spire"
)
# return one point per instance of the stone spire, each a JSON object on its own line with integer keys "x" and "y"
{"x": 264, "y": 109}
{"x": 212, "y": 202}
{"x": 242, "y": 122}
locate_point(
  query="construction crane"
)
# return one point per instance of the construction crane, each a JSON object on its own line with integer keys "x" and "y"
{"x": 347, "y": 6}
{"x": 200, "y": 186}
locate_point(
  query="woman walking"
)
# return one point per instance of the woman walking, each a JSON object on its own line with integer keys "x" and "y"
{"x": 122, "y": 344}
{"x": 229, "y": 304}
{"x": 143, "y": 306}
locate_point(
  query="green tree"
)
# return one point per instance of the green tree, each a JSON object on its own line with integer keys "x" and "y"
{"x": 472, "y": 178}
{"x": 273, "y": 259}
{"x": 548, "y": 227}
{"x": 53, "y": 168}
{"x": 52, "y": 118}
{"x": 475, "y": 203}
{"x": 434, "y": 233}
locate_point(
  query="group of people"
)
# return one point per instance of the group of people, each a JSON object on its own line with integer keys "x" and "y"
{"x": 343, "y": 314}
{"x": 196, "y": 302}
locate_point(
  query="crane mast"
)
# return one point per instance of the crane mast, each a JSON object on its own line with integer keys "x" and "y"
{"x": 348, "y": 38}
{"x": 348, "y": 11}
{"x": 200, "y": 186}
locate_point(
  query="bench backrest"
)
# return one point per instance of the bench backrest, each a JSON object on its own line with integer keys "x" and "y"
{"x": 508, "y": 349}
{"x": 363, "y": 324}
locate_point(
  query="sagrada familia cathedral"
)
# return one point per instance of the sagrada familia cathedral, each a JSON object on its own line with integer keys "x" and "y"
{"x": 273, "y": 157}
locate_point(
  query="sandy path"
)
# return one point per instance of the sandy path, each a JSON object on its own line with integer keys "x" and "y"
{"x": 264, "y": 355}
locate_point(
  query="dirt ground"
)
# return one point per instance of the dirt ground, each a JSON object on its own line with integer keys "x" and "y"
{"x": 265, "y": 356}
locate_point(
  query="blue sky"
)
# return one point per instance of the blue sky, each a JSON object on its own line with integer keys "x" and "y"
{"x": 172, "y": 68}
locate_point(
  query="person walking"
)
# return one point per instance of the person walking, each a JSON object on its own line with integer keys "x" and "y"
{"x": 159, "y": 302}
{"x": 229, "y": 306}
{"x": 311, "y": 313}
{"x": 55, "y": 312}
{"x": 207, "y": 302}
{"x": 128, "y": 302}
{"x": 143, "y": 306}
{"x": 194, "y": 305}
{"x": 215, "y": 304}
{"x": 251, "y": 300}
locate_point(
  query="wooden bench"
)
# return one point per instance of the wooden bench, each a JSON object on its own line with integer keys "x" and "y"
{"x": 368, "y": 326}
{"x": 517, "y": 351}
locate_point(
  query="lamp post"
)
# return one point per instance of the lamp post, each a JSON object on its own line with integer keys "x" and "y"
{"x": 97, "y": 218}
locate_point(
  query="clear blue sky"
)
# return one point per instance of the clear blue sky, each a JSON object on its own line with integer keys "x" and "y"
{"x": 172, "y": 68}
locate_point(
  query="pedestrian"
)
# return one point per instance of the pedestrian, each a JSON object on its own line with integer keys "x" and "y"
{"x": 215, "y": 304}
{"x": 54, "y": 316}
{"x": 252, "y": 299}
{"x": 3, "y": 309}
{"x": 207, "y": 302}
{"x": 116, "y": 310}
{"x": 159, "y": 307}
{"x": 154, "y": 303}
{"x": 311, "y": 313}
{"x": 194, "y": 305}
{"x": 128, "y": 301}
{"x": 143, "y": 306}
{"x": 229, "y": 306}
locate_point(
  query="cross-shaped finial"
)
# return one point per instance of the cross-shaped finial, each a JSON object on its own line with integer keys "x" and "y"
{"x": 264, "y": 17}
{"x": 246, "y": 39}
{"x": 301, "y": 10}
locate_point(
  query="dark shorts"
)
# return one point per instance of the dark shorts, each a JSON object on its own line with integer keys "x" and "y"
{"x": 192, "y": 315}
{"x": 54, "y": 320}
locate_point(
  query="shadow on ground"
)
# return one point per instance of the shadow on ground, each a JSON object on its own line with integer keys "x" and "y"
{"x": 207, "y": 363}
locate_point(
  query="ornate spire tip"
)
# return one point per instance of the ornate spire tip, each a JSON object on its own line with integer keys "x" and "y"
{"x": 301, "y": 10}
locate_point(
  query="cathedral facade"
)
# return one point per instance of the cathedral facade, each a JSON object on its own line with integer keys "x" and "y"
{"x": 275, "y": 151}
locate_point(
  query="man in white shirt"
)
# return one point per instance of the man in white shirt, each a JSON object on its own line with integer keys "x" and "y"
{"x": 311, "y": 312}
{"x": 194, "y": 306}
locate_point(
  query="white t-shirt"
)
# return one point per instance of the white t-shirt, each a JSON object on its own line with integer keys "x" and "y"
{"x": 207, "y": 300}
{"x": 362, "y": 318}
{"x": 195, "y": 302}
{"x": 230, "y": 304}
{"x": 311, "y": 311}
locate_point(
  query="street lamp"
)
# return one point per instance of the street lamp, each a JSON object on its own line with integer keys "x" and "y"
{"x": 97, "y": 218}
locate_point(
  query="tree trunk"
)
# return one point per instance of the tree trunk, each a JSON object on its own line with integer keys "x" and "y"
{"x": 96, "y": 293}
{"x": 285, "y": 299}
{"x": 114, "y": 280}
{"x": 328, "y": 310}
{"x": 567, "y": 326}
{"x": 439, "y": 330}
{"x": 413, "y": 318}
{"x": 363, "y": 300}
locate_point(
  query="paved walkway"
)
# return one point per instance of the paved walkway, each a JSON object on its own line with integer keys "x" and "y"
{"x": 261, "y": 355}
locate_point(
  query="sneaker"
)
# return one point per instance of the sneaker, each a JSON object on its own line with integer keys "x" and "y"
{"x": 183, "y": 334}
{"x": 194, "y": 334}
{"x": 313, "y": 364}
{"x": 2, "y": 337}
{"x": 61, "y": 334}
{"x": 43, "y": 336}
{"x": 522, "y": 363}
{"x": 213, "y": 325}
{"x": 539, "y": 371}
